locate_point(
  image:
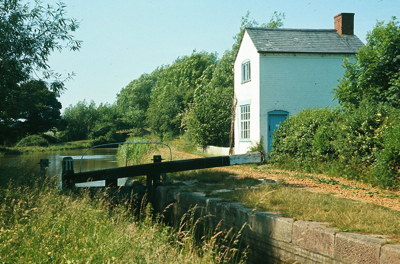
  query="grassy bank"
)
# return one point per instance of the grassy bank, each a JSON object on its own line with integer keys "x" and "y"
{"x": 39, "y": 224}
{"x": 345, "y": 214}
{"x": 82, "y": 144}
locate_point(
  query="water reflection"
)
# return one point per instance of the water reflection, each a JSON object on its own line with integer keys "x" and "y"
{"x": 93, "y": 159}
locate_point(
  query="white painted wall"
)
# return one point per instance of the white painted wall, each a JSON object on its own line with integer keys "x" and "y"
{"x": 292, "y": 82}
{"x": 248, "y": 92}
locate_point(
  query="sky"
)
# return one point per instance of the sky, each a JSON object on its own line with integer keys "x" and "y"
{"x": 122, "y": 39}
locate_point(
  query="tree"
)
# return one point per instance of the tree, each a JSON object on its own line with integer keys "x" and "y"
{"x": 209, "y": 118}
{"x": 39, "y": 110}
{"x": 174, "y": 92}
{"x": 108, "y": 125}
{"x": 375, "y": 74}
{"x": 79, "y": 120}
{"x": 133, "y": 100}
{"x": 28, "y": 35}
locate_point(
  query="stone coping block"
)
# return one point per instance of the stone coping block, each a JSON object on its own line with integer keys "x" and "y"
{"x": 358, "y": 249}
{"x": 390, "y": 254}
{"x": 315, "y": 237}
{"x": 271, "y": 225}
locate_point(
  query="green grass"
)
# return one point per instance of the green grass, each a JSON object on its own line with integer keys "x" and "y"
{"x": 81, "y": 144}
{"x": 40, "y": 224}
{"x": 345, "y": 214}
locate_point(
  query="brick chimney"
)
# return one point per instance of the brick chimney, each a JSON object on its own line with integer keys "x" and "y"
{"x": 344, "y": 23}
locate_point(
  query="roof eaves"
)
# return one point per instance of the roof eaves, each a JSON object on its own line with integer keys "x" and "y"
{"x": 309, "y": 52}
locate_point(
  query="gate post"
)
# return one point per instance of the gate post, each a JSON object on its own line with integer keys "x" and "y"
{"x": 67, "y": 173}
{"x": 152, "y": 180}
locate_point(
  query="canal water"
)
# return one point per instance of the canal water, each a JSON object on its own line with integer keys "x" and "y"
{"x": 84, "y": 160}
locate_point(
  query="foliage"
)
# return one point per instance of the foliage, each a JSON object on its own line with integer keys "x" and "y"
{"x": 102, "y": 124}
{"x": 174, "y": 93}
{"x": 386, "y": 169}
{"x": 357, "y": 142}
{"x": 133, "y": 100}
{"x": 208, "y": 121}
{"x": 29, "y": 33}
{"x": 36, "y": 109}
{"x": 34, "y": 140}
{"x": 305, "y": 136}
{"x": 79, "y": 120}
{"x": 375, "y": 75}
{"x": 135, "y": 153}
{"x": 209, "y": 117}
{"x": 107, "y": 126}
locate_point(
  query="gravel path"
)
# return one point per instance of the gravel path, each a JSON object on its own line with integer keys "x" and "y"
{"x": 314, "y": 182}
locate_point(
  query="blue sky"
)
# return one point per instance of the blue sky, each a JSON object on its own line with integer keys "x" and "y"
{"x": 123, "y": 39}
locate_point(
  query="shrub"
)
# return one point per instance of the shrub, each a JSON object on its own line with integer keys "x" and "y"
{"x": 386, "y": 169}
{"x": 33, "y": 140}
{"x": 304, "y": 136}
{"x": 360, "y": 133}
{"x": 360, "y": 143}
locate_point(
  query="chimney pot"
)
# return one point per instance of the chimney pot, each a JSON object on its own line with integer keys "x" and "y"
{"x": 344, "y": 23}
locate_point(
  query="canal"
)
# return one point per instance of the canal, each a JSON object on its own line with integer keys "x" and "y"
{"x": 84, "y": 160}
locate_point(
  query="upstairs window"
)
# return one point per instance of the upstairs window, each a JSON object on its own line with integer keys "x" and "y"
{"x": 246, "y": 71}
{"x": 245, "y": 121}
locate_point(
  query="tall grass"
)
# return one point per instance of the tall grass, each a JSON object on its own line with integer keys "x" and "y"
{"x": 39, "y": 224}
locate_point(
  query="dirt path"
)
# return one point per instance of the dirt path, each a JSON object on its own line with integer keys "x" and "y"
{"x": 314, "y": 182}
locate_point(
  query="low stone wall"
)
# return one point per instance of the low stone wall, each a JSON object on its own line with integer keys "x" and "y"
{"x": 275, "y": 239}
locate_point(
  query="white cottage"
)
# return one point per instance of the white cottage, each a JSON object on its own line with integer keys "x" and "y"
{"x": 279, "y": 72}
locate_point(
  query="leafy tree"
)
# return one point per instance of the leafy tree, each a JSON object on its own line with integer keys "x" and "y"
{"x": 28, "y": 35}
{"x": 174, "y": 92}
{"x": 39, "y": 110}
{"x": 108, "y": 125}
{"x": 133, "y": 100}
{"x": 375, "y": 75}
{"x": 209, "y": 119}
{"x": 79, "y": 120}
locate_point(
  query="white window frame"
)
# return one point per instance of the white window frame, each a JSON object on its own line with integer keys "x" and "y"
{"x": 246, "y": 71}
{"x": 245, "y": 122}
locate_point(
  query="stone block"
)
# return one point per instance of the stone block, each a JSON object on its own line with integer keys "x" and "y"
{"x": 356, "y": 248}
{"x": 390, "y": 254}
{"x": 192, "y": 204}
{"x": 234, "y": 215}
{"x": 315, "y": 237}
{"x": 271, "y": 226}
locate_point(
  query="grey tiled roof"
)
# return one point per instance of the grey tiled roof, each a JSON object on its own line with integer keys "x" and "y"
{"x": 303, "y": 41}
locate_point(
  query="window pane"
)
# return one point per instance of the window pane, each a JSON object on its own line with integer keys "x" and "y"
{"x": 245, "y": 121}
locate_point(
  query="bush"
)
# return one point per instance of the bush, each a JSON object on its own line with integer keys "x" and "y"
{"x": 305, "y": 136}
{"x": 360, "y": 133}
{"x": 361, "y": 144}
{"x": 386, "y": 169}
{"x": 33, "y": 141}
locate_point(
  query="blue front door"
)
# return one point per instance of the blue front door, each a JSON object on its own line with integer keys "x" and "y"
{"x": 274, "y": 119}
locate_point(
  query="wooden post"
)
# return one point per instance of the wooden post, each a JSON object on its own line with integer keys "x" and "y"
{"x": 153, "y": 179}
{"x": 67, "y": 173}
{"x": 112, "y": 183}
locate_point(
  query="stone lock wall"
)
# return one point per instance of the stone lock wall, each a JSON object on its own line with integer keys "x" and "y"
{"x": 275, "y": 239}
